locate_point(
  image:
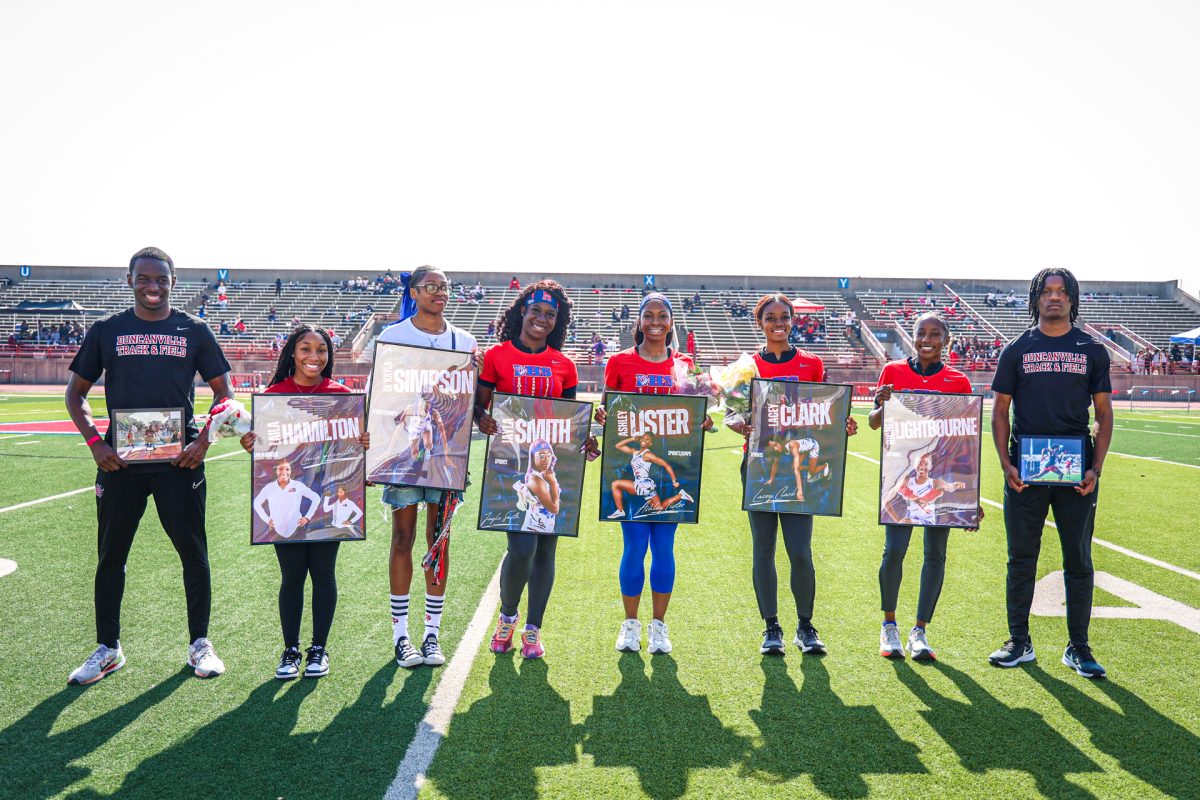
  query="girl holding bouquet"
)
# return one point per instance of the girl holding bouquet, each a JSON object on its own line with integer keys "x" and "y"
{"x": 777, "y": 359}
{"x": 305, "y": 367}
{"x": 651, "y": 366}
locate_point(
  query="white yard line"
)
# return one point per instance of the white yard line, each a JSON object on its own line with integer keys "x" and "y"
{"x": 41, "y": 500}
{"x": 1110, "y": 545}
{"x": 31, "y": 441}
{"x": 1159, "y": 433}
{"x": 1154, "y": 458}
{"x": 13, "y": 435}
{"x": 410, "y": 774}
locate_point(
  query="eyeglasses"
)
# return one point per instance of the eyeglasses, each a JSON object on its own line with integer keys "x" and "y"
{"x": 435, "y": 288}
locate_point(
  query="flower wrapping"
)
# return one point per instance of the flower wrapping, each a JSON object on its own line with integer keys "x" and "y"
{"x": 228, "y": 418}
{"x": 732, "y": 384}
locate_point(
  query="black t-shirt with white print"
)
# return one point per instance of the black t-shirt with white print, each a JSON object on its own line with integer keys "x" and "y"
{"x": 150, "y": 364}
{"x": 1052, "y": 380}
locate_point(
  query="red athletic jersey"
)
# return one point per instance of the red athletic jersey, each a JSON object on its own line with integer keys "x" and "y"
{"x": 628, "y": 372}
{"x": 509, "y": 369}
{"x": 903, "y": 378}
{"x": 803, "y": 366}
{"x": 289, "y": 386}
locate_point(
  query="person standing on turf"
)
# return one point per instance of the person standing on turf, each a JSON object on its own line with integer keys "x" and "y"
{"x": 305, "y": 367}
{"x": 649, "y": 367}
{"x": 923, "y": 372}
{"x": 777, "y": 359}
{"x": 528, "y": 361}
{"x": 149, "y": 356}
{"x": 427, "y": 293}
{"x": 1049, "y": 376}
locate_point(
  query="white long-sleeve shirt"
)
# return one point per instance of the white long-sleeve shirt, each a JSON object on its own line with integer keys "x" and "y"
{"x": 284, "y": 502}
{"x": 345, "y": 512}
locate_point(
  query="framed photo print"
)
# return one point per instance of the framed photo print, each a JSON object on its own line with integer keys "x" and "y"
{"x": 1052, "y": 460}
{"x": 146, "y": 435}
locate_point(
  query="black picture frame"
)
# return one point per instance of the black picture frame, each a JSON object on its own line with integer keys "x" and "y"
{"x": 1080, "y": 449}
{"x": 114, "y": 418}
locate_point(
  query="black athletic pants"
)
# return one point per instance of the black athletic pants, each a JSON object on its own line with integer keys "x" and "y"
{"x": 530, "y": 559}
{"x": 179, "y": 496}
{"x": 296, "y": 562}
{"x": 1024, "y": 517}
{"x": 797, "y": 541}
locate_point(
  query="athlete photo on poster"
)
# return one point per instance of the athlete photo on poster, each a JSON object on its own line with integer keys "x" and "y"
{"x": 146, "y": 435}
{"x": 1052, "y": 460}
{"x": 796, "y": 453}
{"x": 419, "y": 413}
{"x": 533, "y": 470}
{"x": 652, "y": 457}
{"x": 307, "y": 479}
{"x": 929, "y": 460}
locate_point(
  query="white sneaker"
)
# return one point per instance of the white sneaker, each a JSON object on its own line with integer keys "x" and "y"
{"x": 618, "y": 514}
{"x": 202, "y": 659}
{"x": 659, "y": 641}
{"x": 918, "y": 646}
{"x": 103, "y": 661}
{"x": 889, "y": 641}
{"x": 629, "y": 640}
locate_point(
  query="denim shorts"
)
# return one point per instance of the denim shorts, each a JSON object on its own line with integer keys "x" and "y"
{"x": 404, "y": 496}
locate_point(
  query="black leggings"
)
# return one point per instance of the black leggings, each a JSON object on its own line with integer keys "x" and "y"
{"x": 797, "y": 540}
{"x": 530, "y": 559}
{"x": 296, "y": 562}
{"x": 933, "y": 568}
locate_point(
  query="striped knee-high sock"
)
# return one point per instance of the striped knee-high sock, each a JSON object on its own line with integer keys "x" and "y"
{"x": 399, "y": 616}
{"x": 433, "y": 613}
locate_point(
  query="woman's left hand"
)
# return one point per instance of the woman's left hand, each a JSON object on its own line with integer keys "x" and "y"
{"x": 851, "y": 426}
{"x": 365, "y": 440}
{"x": 708, "y": 423}
{"x": 980, "y": 510}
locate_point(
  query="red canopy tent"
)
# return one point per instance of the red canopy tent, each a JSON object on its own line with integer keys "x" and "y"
{"x": 802, "y": 306}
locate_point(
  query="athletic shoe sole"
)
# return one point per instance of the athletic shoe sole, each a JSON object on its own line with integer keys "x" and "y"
{"x": 1089, "y": 675}
{"x": 1021, "y": 659}
{"x": 289, "y": 677}
{"x": 893, "y": 654}
{"x": 924, "y": 655}
{"x": 656, "y": 650}
{"x": 434, "y": 661}
{"x": 321, "y": 674}
{"x": 629, "y": 648}
{"x": 205, "y": 673}
{"x": 410, "y": 664}
{"x": 772, "y": 650}
{"x": 814, "y": 650}
{"x": 104, "y": 673}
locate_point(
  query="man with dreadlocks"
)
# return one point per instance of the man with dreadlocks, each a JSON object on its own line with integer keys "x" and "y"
{"x": 1049, "y": 375}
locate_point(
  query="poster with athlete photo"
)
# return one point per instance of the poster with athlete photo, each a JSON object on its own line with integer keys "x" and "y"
{"x": 652, "y": 457}
{"x": 420, "y": 416}
{"x": 533, "y": 470}
{"x": 1052, "y": 460}
{"x": 147, "y": 435}
{"x": 306, "y": 471}
{"x": 796, "y": 454}
{"x": 929, "y": 460}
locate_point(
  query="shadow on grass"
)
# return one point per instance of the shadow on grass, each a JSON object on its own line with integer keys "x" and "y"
{"x": 986, "y": 734}
{"x": 652, "y": 724}
{"x": 1145, "y": 743}
{"x": 39, "y": 764}
{"x": 810, "y": 731}
{"x": 493, "y": 748}
{"x": 254, "y": 751}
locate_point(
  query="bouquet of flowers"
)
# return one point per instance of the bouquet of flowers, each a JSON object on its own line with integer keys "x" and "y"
{"x": 691, "y": 380}
{"x": 228, "y": 418}
{"x": 732, "y": 383}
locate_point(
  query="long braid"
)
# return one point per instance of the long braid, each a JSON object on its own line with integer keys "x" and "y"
{"x": 1038, "y": 284}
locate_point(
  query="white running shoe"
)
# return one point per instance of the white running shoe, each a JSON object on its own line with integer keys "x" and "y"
{"x": 203, "y": 660}
{"x": 629, "y": 640}
{"x": 102, "y": 662}
{"x": 659, "y": 641}
{"x": 618, "y": 514}
{"x": 889, "y": 641}
{"x": 918, "y": 646}
{"x": 685, "y": 496}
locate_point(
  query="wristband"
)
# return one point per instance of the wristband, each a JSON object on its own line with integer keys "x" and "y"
{"x": 95, "y": 438}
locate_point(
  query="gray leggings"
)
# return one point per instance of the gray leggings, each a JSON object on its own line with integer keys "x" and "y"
{"x": 797, "y": 540}
{"x": 530, "y": 559}
{"x": 933, "y": 570}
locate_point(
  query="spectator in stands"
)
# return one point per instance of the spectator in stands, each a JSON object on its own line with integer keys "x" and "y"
{"x": 477, "y": 292}
{"x": 516, "y": 284}
{"x": 239, "y": 326}
{"x": 271, "y": 314}
{"x": 295, "y": 321}
{"x": 222, "y": 296}
{"x": 1110, "y": 334}
{"x": 278, "y": 287}
{"x": 691, "y": 344}
{"x": 201, "y": 312}
{"x": 224, "y": 330}
{"x": 1011, "y": 300}
{"x": 990, "y": 301}
{"x": 928, "y": 284}
{"x": 615, "y": 316}
{"x": 597, "y": 352}
{"x": 625, "y": 312}
{"x": 1176, "y": 353}
{"x": 491, "y": 330}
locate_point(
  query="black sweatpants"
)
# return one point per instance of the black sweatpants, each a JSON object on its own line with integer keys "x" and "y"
{"x": 530, "y": 559}
{"x": 296, "y": 562}
{"x": 933, "y": 568}
{"x": 179, "y": 499}
{"x": 797, "y": 541}
{"x": 1024, "y": 517}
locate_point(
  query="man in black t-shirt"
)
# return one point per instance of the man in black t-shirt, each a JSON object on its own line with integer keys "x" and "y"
{"x": 149, "y": 356}
{"x": 1049, "y": 376}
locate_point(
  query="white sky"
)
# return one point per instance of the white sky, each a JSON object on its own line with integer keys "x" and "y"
{"x": 747, "y": 136}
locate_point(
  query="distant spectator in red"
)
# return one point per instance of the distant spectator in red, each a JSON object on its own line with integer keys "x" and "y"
{"x": 514, "y": 283}
{"x": 691, "y": 344}
{"x": 239, "y": 326}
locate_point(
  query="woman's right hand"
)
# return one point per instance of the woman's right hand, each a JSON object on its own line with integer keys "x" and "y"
{"x": 883, "y": 394}
{"x": 600, "y": 415}
{"x": 247, "y": 441}
{"x": 487, "y": 424}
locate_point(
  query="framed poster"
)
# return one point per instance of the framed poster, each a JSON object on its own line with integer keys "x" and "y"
{"x": 929, "y": 460}
{"x": 652, "y": 457}
{"x": 147, "y": 435}
{"x": 1052, "y": 460}
{"x": 533, "y": 470}
{"x": 306, "y": 473}
{"x": 420, "y": 416}
{"x": 796, "y": 455}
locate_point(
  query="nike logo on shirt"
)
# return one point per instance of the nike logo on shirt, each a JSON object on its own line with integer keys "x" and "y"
{"x": 181, "y": 329}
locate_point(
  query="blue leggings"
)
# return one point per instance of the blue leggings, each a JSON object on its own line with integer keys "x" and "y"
{"x": 659, "y": 537}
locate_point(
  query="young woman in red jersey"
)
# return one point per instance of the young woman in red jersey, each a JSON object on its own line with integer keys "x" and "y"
{"x": 306, "y": 367}
{"x": 923, "y": 372}
{"x": 530, "y": 331}
{"x": 649, "y": 367}
{"x": 777, "y": 359}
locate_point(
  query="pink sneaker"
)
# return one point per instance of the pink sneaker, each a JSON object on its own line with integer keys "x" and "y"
{"x": 531, "y": 644}
{"x": 502, "y": 639}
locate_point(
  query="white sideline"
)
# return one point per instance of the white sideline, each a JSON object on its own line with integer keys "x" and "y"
{"x": 410, "y": 774}
{"x": 7, "y": 566}
{"x": 41, "y": 500}
{"x": 1125, "y": 551}
{"x": 1154, "y": 458}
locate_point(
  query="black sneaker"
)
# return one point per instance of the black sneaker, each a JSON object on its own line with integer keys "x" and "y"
{"x": 808, "y": 641}
{"x": 772, "y": 640}
{"x": 317, "y": 665}
{"x": 289, "y": 664}
{"x": 431, "y": 653}
{"x": 1012, "y": 653}
{"x": 1079, "y": 658}
{"x": 407, "y": 655}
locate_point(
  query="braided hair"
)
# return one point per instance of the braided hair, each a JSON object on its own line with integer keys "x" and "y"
{"x": 508, "y": 323}
{"x": 286, "y": 367}
{"x": 1038, "y": 285}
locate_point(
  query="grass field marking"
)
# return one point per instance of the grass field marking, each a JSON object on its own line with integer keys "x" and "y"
{"x": 1154, "y": 458}
{"x": 1158, "y": 433}
{"x": 13, "y": 436}
{"x": 7, "y": 567}
{"x": 1125, "y": 551}
{"x": 410, "y": 774}
{"x": 1050, "y": 600}
{"x": 31, "y": 441}
{"x": 41, "y": 500}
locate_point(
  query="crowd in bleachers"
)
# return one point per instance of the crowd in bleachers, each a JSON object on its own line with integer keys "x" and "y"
{"x": 47, "y": 334}
{"x": 1179, "y": 360}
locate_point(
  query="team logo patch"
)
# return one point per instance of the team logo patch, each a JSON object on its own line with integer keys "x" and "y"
{"x": 99, "y": 490}
{"x": 523, "y": 371}
{"x": 655, "y": 380}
